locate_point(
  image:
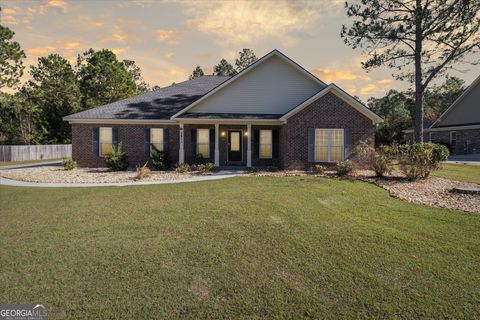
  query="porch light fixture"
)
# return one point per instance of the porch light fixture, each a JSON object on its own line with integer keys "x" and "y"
{"x": 223, "y": 133}
{"x": 246, "y": 133}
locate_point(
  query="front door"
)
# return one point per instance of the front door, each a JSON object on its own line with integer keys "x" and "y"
{"x": 235, "y": 146}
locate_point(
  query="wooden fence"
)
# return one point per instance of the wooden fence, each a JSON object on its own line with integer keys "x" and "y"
{"x": 35, "y": 152}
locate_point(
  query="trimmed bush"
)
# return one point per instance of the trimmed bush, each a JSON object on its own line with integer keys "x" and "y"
{"x": 317, "y": 169}
{"x": 418, "y": 160}
{"x": 160, "y": 159}
{"x": 344, "y": 167}
{"x": 183, "y": 168}
{"x": 117, "y": 160}
{"x": 379, "y": 160}
{"x": 69, "y": 164}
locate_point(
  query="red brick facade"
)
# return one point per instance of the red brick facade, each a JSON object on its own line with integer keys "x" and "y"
{"x": 328, "y": 111}
{"x": 468, "y": 140}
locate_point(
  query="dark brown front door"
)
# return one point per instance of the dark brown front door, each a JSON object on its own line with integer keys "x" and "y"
{"x": 234, "y": 146}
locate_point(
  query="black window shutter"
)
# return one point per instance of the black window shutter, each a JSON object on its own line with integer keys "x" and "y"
{"x": 166, "y": 139}
{"x": 347, "y": 136}
{"x": 256, "y": 143}
{"x": 193, "y": 138}
{"x": 95, "y": 141}
{"x": 275, "y": 143}
{"x": 147, "y": 142}
{"x": 212, "y": 143}
{"x": 115, "y": 136}
{"x": 311, "y": 144}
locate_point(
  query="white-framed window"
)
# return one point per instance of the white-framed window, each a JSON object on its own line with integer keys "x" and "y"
{"x": 203, "y": 143}
{"x": 106, "y": 141}
{"x": 431, "y": 136}
{"x": 156, "y": 139}
{"x": 329, "y": 145}
{"x": 265, "y": 146}
{"x": 453, "y": 138}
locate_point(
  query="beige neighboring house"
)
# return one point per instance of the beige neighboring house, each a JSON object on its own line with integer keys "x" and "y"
{"x": 459, "y": 126}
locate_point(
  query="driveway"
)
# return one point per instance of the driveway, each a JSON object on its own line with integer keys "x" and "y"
{"x": 465, "y": 159}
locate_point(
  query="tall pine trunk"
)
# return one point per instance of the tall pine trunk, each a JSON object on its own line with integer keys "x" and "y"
{"x": 418, "y": 127}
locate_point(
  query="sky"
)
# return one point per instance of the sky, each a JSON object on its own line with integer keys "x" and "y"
{"x": 167, "y": 38}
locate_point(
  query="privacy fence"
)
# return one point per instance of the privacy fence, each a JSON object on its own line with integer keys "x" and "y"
{"x": 35, "y": 152}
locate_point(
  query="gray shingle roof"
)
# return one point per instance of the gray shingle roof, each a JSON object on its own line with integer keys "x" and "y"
{"x": 192, "y": 115}
{"x": 160, "y": 104}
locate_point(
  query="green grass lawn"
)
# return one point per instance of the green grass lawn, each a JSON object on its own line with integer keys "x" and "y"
{"x": 240, "y": 248}
{"x": 9, "y": 163}
{"x": 460, "y": 172}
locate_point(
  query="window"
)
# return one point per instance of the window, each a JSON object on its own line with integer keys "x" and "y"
{"x": 156, "y": 139}
{"x": 329, "y": 145}
{"x": 431, "y": 136}
{"x": 203, "y": 141}
{"x": 453, "y": 138}
{"x": 105, "y": 141}
{"x": 265, "y": 144}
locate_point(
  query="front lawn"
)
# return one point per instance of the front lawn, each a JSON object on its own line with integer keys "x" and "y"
{"x": 246, "y": 247}
{"x": 460, "y": 172}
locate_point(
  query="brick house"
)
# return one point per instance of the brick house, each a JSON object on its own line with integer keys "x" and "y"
{"x": 459, "y": 126}
{"x": 273, "y": 113}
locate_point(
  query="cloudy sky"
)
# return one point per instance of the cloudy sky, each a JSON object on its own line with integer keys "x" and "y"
{"x": 168, "y": 39}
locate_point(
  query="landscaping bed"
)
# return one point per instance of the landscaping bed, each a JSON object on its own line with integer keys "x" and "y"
{"x": 56, "y": 174}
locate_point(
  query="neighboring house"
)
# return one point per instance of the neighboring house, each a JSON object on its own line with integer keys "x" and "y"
{"x": 274, "y": 113}
{"x": 459, "y": 126}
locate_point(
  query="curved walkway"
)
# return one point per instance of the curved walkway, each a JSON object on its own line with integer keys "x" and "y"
{"x": 17, "y": 183}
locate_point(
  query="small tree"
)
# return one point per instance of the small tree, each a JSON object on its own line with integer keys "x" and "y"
{"x": 420, "y": 38}
{"x": 245, "y": 58}
{"x": 197, "y": 72}
{"x": 224, "y": 68}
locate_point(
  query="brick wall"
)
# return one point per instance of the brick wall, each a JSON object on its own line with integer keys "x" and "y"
{"x": 132, "y": 138}
{"x": 327, "y": 112}
{"x": 468, "y": 141}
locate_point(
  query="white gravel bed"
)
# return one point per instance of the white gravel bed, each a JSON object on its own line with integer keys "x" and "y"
{"x": 56, "y": 174}
{"x": 433, "y": 191}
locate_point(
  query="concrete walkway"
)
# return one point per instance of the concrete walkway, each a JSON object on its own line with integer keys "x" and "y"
{"x": 215, "y": 176}
{"x": 33, "y": 164}
{"x": 472, "y": 159}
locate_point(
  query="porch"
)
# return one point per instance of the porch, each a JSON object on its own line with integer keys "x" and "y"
{"x": 230, "y": 143}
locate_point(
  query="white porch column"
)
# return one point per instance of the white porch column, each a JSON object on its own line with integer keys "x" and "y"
{"x": 181, "y": 150}
{"x": 249, "y": 146}
{"x": 217, "y": 148}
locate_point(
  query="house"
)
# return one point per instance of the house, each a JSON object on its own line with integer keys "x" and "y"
{"x": 273, "y": 113}
{"x": 459, "y": 126}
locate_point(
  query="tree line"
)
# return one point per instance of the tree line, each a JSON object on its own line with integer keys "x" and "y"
{"x": 33, "y": 113}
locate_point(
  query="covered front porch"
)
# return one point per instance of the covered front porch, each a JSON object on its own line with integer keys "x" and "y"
{"x": 228, "y": 143}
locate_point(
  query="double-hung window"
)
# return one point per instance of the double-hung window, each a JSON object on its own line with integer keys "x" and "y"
{"x": 453, "y": 138}
{"x": 156, "y": 139}
{"x": 105, "y": 141}
{"x": 203, "y": 143}
{"x": 329, "y": 145}
{"x": 265, "y": 144}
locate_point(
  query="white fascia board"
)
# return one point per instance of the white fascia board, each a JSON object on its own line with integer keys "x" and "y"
{"x": 120, "y": 121}
{"x": 456, "y": 102}
{"x": 231, "y": 121}
{"x": 342, "y": 95}
{"x": 452, "y": 128}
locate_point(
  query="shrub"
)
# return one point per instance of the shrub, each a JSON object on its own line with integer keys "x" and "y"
{"x": 208, "y": 167}
{"x": 143, "y": 172}
{"x": 117, "y": 160}
{"x": 378, "y": 160}
{"x": 344, "y": 167}
{"x": 69, "y": 164}
{"x": 160, "y": 159}
{"x": 317, "y": 169}
{"x": 182, "y": 168}
{"x": 272, "y": 169}
{"x": 418, "y": 160}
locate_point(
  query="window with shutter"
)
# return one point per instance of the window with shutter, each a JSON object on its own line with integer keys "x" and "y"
{"x": 156, "y": 139}
{"x": 329, "y": 145}
{"x": 106, "y": 141}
